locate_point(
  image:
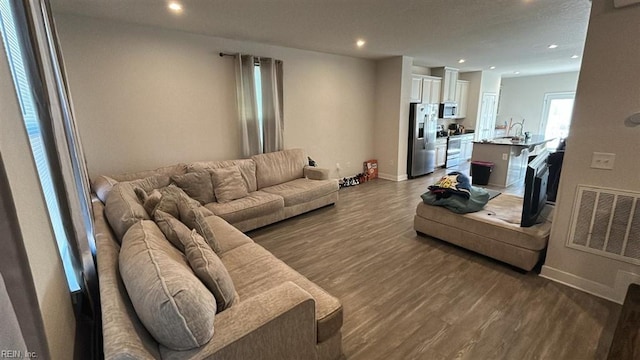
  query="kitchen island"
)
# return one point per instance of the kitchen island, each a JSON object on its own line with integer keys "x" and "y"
{"x": 509, "y": 156}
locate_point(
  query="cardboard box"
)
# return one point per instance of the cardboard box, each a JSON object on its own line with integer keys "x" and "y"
{"x": 371, "y": 168}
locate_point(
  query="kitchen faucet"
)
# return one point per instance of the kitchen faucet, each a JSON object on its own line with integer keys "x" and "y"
{"x": 519, "y": 134}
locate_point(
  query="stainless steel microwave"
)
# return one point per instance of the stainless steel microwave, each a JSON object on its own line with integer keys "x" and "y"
{"x": 448, "y": 110}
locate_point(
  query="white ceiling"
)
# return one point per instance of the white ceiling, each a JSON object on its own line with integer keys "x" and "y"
{"x": 512, "y": 35}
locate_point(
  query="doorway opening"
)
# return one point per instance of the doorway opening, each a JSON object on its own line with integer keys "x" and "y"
{"x": 556, "y": 116}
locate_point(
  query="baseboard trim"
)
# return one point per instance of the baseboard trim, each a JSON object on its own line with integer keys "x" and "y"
{"x": 392, "y": 177}
{"x": 582, "y": 284}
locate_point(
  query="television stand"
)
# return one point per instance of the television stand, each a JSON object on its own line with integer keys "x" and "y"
{"x": 493, "y": 231}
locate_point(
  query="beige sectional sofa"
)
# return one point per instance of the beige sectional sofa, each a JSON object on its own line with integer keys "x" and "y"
{"x": 277, "y": 313}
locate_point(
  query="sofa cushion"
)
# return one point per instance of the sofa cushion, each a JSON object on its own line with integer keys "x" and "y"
{"x": 265, "y": 272}
{"x": 165, "y": 171}
{"x": 227, "y": 236}
{"x": 278, "y": 167}
{"x": 257, "y": 203}
{"x": 173, "y": 229}
{"x": 123, "y": 208}
{"x": 210, "y": 270}
{"x": 197, "y": 185}
{"x": 247, "y": 169}
{"x": 102, "y": 186}
{"x": 228, "y": 184}
{"x": 171, "y": 302}
{"x": 302, "y": 190}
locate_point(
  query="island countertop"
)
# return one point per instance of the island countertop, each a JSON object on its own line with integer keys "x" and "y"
{"x": 533, "y": 141}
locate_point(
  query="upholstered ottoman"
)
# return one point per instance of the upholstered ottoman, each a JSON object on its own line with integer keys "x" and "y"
{"x": 494, "y": 231}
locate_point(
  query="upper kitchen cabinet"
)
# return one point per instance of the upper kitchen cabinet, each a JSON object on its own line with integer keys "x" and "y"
{"x": 416, "y": 89}
{"x": 462, "y": 97}
{"x": 425, "y": 89}
{"x": 449, "y": 82}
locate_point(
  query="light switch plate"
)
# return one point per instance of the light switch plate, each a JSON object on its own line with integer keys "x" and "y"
{"x": 603, "y": 160}
{"x": 505, "y": 156}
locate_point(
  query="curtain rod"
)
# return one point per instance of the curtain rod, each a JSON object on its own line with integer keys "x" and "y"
{"x": 223, "y": 54}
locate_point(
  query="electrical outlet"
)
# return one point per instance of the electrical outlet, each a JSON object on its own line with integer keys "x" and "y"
{"x": 505, "y": 156}
{"x": 603, "y": 160}
{"x": 338, "y": 166}
{"x": 348, "y": 164}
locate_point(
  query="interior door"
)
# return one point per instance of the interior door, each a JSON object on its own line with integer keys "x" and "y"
{"x": 487, "y": 121}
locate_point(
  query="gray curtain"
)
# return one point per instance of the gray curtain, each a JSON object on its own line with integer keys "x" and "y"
{"x": 249, "y": 124}
{"x": 260, "y": 115}
{"x": 272, "y": 117}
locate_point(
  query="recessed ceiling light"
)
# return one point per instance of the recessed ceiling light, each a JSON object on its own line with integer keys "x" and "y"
{"x": 575, "y": 56}
{"x": 461, "y": 61}
{"x": 553, "y": 46}
{"x": 175, "y": 7}
{"x": 360, "y": 43}
{"x": 492, "y": 67}
{"x": 516, "y": 72}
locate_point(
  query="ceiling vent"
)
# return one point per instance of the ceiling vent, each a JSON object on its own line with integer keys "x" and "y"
{"x": 606, "y": 222}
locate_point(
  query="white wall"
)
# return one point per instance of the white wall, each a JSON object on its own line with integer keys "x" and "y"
{"x": 608, "y": 92}
{"x": 146, "y": 97}
{"x": 523, "y": 97}
{"x": 387, "y": 108}
{"x": 473, "y": 101}
{"x": 50, "y": 283}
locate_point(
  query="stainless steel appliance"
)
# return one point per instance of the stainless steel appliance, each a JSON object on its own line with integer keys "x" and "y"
{"x": 448, "y": 110}
{"x": 454, "y": 145}
{"x": 422, "y": 139}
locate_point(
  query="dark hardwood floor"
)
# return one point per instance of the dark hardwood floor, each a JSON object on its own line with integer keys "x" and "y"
{"x": 412, "y": 297}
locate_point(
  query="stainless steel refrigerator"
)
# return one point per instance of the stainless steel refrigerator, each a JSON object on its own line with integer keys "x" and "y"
{"x": 423, "y": 122}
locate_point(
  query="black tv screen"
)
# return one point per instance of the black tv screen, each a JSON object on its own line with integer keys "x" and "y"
{"x": 535, "y": 189}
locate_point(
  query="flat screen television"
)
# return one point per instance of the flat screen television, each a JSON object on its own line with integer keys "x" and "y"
{"x": 535, "y": 189}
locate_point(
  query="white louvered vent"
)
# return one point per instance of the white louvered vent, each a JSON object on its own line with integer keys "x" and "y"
{"x": 606, "y": 222}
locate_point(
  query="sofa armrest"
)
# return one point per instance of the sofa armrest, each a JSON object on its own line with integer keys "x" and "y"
{"x": 316, "y": 173}
{"x": 276, "y": 324}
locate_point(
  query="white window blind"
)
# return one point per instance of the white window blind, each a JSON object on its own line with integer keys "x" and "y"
{"x": 30, "y": 117}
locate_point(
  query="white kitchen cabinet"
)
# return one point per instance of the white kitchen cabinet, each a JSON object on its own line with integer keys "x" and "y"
{"x": 425, "y": 89}
{"x": 449, "y": 82}
{"x": 436, "y": 84}
{"x": 466, "y": 147}
{"x": 416, "y": 89}
{"x": 462, "y": 96}
{"x": 441, "y": 151}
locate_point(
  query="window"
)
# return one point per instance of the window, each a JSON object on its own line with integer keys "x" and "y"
{"x": 258, "y": 87}
{"x": 557, "y": 111}
{"x": 29, "y": 110}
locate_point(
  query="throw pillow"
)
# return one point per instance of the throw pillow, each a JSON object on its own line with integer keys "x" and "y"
{"x": 172, "y": 228}
{"x": 185, "y": 204}
{"x": 209, "y": 268}
{"x": 194, "y": 219}
{"x": 197, "y": 185}
{"x": 148, "y": 201}
{"x": 170, "y": 301}
{"x": 228, "y": 184}
{"x": 168, "y": 203}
